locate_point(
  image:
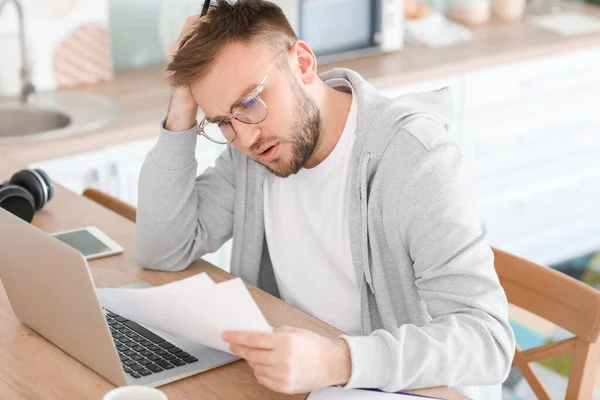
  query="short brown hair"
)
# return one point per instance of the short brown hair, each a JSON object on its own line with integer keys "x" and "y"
{"x": 242, "y": 21}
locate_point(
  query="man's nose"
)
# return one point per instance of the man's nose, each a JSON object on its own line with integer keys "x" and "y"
{"x": 246, "y": 134}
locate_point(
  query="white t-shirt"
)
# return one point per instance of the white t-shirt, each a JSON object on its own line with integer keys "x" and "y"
{"x": 306, "y": 225}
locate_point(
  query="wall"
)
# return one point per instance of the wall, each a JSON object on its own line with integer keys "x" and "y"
{"x": 46, "y": 24}
{"x": 143, "y": 30}
{"x": 140, "y": 33}
{"x": 135, "y": 32}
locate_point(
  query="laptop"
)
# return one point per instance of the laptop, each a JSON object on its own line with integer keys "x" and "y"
{"x": 51, "y": 290}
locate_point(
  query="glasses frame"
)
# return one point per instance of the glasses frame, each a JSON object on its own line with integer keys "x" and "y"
{"x": 227, "y": 119}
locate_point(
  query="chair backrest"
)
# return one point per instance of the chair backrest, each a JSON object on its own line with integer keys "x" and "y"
{"x": 112, "y": 203}
{"x": 564, "y": 301}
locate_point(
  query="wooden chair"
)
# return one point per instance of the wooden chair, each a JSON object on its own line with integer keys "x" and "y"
{"x": 564, "y": 301}
{"x": 547, "y": 293}
{"x": 112, "y": 203}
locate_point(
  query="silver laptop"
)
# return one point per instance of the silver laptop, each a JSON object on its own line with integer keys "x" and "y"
{"x": 50, "y": 289}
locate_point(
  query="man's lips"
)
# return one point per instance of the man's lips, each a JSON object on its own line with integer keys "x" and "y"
{"x": 265, "y": 148}
{"x": 269, "y": 152}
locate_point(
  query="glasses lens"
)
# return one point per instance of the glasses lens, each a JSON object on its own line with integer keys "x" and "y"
{"x": 250, "y": 110}
{"x": 219, "y": 131}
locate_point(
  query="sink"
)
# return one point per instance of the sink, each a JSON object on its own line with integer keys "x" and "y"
{"x": 50, "y": 115}
{"x": 24, "y": 121}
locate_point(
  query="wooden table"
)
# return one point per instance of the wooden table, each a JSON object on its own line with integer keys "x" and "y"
{"x": 33, "y": 368}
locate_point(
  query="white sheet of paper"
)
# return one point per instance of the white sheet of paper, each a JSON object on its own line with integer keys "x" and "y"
{"x": 194, "y": 308}
{"x": 435, "y": 31}
{"x": 569, "y": 23}
{"x": 336, "y": 393}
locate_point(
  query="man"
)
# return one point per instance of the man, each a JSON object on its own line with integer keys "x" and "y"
{"x": 346, "y": 204}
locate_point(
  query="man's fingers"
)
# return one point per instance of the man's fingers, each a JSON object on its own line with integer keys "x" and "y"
{"x": 190, "y": 23}
{"x": 187, "y": 29}
{"x": 254, "y": 356}
{"x": 286, "y": 328}
{"x": 267, "y": 371}
{"x": 189, "y": 26}
{"x": 260, "y": 340}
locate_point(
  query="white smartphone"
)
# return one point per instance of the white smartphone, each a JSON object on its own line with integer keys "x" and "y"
{"x": 90, "y": 241}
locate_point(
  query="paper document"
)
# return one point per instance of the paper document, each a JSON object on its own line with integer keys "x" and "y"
{"x": 336, "y": 393}
{"x": 195, "y": 308}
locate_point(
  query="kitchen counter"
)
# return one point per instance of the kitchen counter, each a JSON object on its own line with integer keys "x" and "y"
{"x": 143, "y": 94}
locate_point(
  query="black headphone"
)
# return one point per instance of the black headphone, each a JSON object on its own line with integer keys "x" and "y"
{"x": 26, "y": 192}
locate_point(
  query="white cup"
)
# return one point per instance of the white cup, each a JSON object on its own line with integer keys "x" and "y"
{"x": 135, "y": 393}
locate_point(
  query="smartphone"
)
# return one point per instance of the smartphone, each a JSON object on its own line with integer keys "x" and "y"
{"x": 90, "y": 241}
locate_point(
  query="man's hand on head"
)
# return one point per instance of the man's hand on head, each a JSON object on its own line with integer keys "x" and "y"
{"x": 183, "y": 108}
{"x": 292, "y": 360}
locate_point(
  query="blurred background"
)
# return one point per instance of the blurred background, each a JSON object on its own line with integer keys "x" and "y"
{"x": 82, "y": 92}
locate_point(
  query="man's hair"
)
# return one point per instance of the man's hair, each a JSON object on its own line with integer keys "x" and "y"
{"x": 242, "y": 21}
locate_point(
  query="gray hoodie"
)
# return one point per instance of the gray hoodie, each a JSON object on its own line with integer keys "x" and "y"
{"x": 433, "y": 311}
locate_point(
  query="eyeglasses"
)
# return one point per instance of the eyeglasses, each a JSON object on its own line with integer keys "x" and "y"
{"x": 250, "y": 109}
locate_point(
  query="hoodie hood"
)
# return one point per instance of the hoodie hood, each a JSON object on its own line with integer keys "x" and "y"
{"x": 378, "y": 114}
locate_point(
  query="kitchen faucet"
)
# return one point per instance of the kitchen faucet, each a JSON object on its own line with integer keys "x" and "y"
{"x": 26, "y": 85}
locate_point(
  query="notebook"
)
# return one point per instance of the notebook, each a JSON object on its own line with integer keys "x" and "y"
{"x": 337, "y": 393}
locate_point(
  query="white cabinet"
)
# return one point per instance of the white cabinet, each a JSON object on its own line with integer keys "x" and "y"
{"x": 534, "y": 138}
{"x": 77, "y": 172}
{"x": 530, "y": 132}
{"x": 124, "y": 163}
{"x": 533, "y": 80}
{"x": 115, "y": 170}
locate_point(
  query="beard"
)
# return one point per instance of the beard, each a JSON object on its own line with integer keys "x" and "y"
{"x": 305, "y": 132}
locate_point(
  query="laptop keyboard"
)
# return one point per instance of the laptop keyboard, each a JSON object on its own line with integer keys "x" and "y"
{"x": 142, "y": 352}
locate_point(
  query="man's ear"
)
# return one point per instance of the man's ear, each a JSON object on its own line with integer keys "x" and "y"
{"x": 305, "y": 61}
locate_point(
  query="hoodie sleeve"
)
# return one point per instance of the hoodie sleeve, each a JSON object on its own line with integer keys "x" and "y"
{"x": 435, "y": 219}
{"x": 181, "y": 217}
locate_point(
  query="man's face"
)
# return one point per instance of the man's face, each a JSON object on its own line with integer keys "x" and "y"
{"x": 286, "y": 139}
